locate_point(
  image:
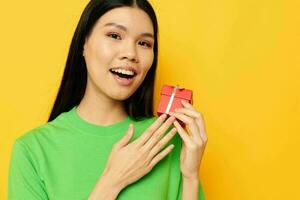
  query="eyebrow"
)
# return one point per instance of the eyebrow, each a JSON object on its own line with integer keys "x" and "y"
{"x": 125, "y": 29}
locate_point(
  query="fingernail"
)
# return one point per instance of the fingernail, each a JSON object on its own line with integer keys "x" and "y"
{"x": 164, "y": 115}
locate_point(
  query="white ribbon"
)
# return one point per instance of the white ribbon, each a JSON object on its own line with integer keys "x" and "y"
{"x": 172, "y": 98}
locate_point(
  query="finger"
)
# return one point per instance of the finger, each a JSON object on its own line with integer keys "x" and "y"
{"x": 150, "y": 130}
{"x": 195, "y": 115}
{"x": 192, "y": 127}
{"x": 161, "y": 155}
{"x": 201, "y": 124}
{"x": 156, "y": 136}
{"x": 192, "y": 113}
{"x": 186, "y": 104}
{"x": 199, "y": 119}
{"x": 184, "y": 136}
{"x": 126, "y": 138}
{"x": 160, "y": 145}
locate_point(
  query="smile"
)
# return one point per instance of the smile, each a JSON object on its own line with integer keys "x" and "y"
{"x": 123, "y": 73}
{"x": 122, "y": 78}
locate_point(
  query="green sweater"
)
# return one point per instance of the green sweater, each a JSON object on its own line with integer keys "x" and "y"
{"x": 64, "y": 158}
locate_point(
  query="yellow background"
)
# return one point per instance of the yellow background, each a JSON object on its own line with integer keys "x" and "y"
{"x": 241, "y": 59}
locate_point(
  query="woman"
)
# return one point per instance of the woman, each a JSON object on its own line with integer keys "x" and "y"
{"x": 102, "y": 140}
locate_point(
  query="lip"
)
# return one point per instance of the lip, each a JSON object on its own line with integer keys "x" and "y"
{"x": 123, "y": 81}
{"x": 129, "y": 68}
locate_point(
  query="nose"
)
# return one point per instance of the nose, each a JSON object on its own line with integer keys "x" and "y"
{"x": 129, "y": 52}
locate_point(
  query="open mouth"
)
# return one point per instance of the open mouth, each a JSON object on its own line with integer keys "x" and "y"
{"x": 121, "y": 75}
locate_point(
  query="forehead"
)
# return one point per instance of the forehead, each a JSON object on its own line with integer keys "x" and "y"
{"x": 134, "y": 19}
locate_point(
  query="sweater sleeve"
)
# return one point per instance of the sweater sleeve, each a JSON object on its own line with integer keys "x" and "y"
{"x": 23, "y": 180}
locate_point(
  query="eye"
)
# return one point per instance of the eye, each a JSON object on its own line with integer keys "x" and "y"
{"x": 147, "y": 44}
{"x": 114, "y": 35}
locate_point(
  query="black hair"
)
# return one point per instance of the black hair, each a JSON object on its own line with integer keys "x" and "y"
{"x": 74, "y": 80}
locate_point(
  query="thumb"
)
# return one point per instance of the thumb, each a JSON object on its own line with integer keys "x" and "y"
{"x": 127, "y": 136}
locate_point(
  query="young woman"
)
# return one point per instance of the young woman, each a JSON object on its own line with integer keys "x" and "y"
{"x": 102, "y": 140}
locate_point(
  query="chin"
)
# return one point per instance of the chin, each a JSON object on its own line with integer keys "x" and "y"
{"x": 121, "y": 96}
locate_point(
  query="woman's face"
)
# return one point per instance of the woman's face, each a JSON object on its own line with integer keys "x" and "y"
{"x": 122, "y": 41}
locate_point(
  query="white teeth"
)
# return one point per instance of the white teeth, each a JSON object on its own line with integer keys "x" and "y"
{"x": 123, "y": 71}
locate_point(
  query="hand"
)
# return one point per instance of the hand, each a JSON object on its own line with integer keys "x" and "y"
{"x": 129, "y": 162}
{"x": 193, "y": 143}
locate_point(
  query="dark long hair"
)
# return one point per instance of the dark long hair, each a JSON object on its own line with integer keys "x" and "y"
{"x": 74, "y": 80}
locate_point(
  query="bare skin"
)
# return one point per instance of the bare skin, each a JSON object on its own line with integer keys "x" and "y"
{"x": 128, "y": 162}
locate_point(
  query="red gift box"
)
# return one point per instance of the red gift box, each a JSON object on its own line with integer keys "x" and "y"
{"x": 170, "y": 99}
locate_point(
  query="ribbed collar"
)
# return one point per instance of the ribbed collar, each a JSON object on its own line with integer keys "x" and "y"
{"x": 87, "y": 127}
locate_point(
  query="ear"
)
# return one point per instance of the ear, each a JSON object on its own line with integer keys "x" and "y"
{"x": 84, "y": 46}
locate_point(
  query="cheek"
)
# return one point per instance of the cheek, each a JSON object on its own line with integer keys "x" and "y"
{"x": 103, "y": 53}
{"x": 98, "y": 59}
{"x": 147, "y": 62}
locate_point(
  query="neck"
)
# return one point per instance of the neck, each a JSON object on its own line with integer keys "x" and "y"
{"x": 101, "y": 110}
